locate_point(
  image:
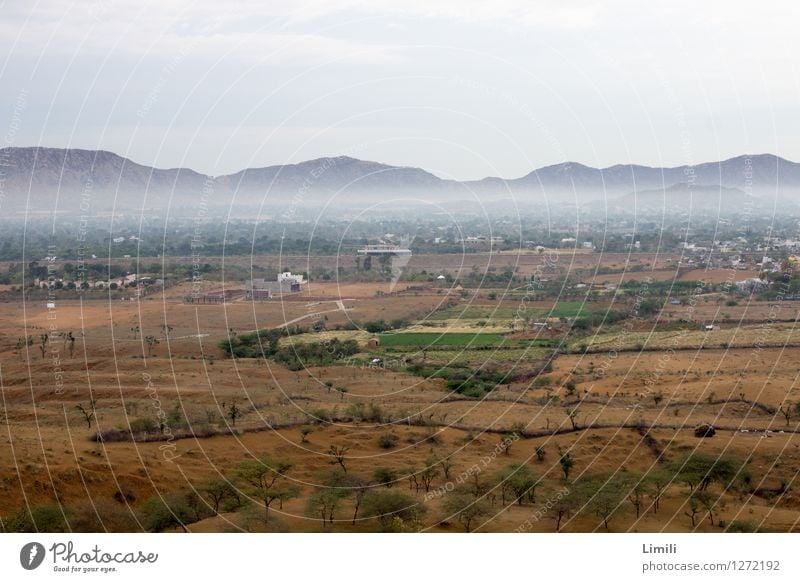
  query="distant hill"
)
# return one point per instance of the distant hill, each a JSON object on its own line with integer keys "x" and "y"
{"x": 44, "y": 179}
{"x": 762, "y": 175}
{"x": 685, "y": 199}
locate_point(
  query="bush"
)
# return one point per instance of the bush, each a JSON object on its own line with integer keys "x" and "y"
{"x": 387, "y": 440}
{"x": 385, "y": 476}
{"x": 395, "y": 511}
{"x": 38, "y": 518}
{"x": 143, "y": 425}
{"x": 101, "y": 515}
{"x": 158, "y": 514}
{"x": 743, "y": 526}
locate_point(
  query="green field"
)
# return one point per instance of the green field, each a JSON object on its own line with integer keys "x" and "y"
{"x": 472, "y": 340}
{"x": 563, "y": 309}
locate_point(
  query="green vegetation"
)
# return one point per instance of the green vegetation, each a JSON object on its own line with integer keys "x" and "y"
{"x": 265, "y": 344}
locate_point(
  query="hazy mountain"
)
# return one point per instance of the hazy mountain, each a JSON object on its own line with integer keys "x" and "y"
{"x": 42, "y": 179}
{"x": 62, "y": 179}
{"x": 343, "y": 177}
{"x": 686, "y": 199}
{"x": 760, "y": 175}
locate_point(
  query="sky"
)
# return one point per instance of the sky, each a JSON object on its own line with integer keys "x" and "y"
{"x": 462, "y": 88}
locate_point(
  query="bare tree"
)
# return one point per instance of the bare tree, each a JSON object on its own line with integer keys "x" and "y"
{"x": 69, "y": 339}
{"x": 43, "y": 339}
{"x": 151, "y": 341}
{"x": 694, "y": 508}
{"x": 337, "y": 454}
{"x": 572, "y": 414}
{"x": 88, "y": 413}
{"x": 447, "y": 465}
{"x": 710, "y": 502}
{"x": 787, "y": 411}
{"x": 429, "y": 473}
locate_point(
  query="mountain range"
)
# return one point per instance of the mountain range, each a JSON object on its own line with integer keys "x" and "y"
{"x": 38, "y": 179}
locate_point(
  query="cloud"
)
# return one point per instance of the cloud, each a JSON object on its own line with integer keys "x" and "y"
{"x": 246, "y": 31}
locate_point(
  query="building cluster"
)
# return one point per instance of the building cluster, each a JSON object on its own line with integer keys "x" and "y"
{"x": 284, "y": 284}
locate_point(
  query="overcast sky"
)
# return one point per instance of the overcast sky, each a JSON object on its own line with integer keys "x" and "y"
{"x": 462, "y": 88}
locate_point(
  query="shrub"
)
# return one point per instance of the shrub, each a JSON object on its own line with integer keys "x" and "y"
{"x": 143, "y": 425}
{"x": 385, "y": 476}
{"x": 387, "y": 440}
{"x": 743, "y": 526}
{"x": 395, "y": 511}
{"x": 158, "y": 514}
{"x": 48, "y": 518}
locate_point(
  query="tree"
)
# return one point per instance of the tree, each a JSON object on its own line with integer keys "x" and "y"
{"x": 324, "y": 503}
{"x": 541, "y": 452}
{"x": 466, "y": 508}
{"x": 337, "y": 454}
{"x": 88, "y": 413}
{"x": 709, "y": 501}
{"x": 701, "y": 470}
{"x": 304, "y": 432}
{"x": 265, "y": 477}
{"x": 151, "y": 342}
{"x": 570, "y": 387}
{"x": 564, "y": 505}
{"x": 518, "y": 483}
{"x": 232, "y": 412}
{"x": 787, "y": 411}
{"x": 657, "y": 398}
{"x": 447, "y": 465}
{"x": 348, "y": 485}
{"x": 217, "y": 490}
{"x": 566, "y": 461}
{"x": 658, "y": 479}
{"x": 393, "y": 509}
{"x": 429, "y": 473}
{"x": 69, "y": 339}
{"x": 693, "y": 508}
{"x": 43, "y": 339}
{"x": 605, "y": 496}
{"x": 635, "y": 488}
{"x": 572, "y": 414}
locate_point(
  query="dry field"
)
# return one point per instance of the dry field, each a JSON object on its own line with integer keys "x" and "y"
{"x": 48, "y": 455}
